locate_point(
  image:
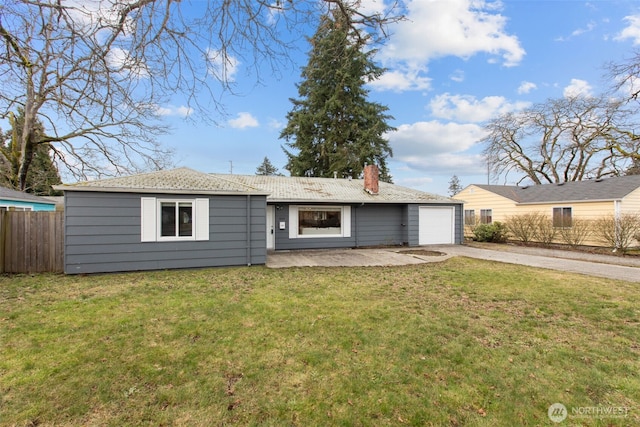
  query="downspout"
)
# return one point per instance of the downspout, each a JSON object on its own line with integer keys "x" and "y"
{"x": 248, "y": 229}
{"x": 616, "y": 221}
{"x": 355, "y": 224}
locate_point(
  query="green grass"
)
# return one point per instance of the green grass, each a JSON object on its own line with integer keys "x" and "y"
{"x": 463, "y": 342}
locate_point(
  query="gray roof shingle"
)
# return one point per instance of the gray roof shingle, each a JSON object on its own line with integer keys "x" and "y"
{"x": 9, "y": 194}
{"x": 277, "y": 188}
{"x": 307, "y": 189}
{"x": 181, "y": 180}
{"x": 601, "y": 189}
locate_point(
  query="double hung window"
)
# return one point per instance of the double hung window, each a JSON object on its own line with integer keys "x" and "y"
{"x": 469, "y": 217}
{"x": 486, "y": 216}
{"x": 562, "y": 217}
{"x": 174, "y": 219}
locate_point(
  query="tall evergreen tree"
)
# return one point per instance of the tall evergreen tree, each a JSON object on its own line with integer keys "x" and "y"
{"x": 455, "y": 186}
{"x": 267, "y": 168}
{"x": 332, "y": 127}
{"x": 42, "y": 172}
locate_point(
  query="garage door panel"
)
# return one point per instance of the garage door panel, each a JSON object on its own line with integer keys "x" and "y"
{"x": 436, "y": 225}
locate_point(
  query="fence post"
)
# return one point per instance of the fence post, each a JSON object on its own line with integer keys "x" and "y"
{"x": 3, "y": 235}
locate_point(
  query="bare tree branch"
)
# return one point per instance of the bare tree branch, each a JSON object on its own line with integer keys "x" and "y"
{"x": 95, "y": 73}
{"x": 567, "y": 139}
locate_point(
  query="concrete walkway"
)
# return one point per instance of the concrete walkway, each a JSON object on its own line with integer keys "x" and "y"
{"x": 613, "y": 267}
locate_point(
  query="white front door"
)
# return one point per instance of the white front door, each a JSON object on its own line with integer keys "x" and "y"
{"x": 271, "y": 227}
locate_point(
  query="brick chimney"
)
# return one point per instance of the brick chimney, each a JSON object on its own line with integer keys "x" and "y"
{"x": 371, "y": 179}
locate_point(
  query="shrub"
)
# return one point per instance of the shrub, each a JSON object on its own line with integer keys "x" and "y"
{"x": 545, "y": 232}
{"x": 496, "y": 232}
{"x": 618, "y": 232}
{"x": 532, "y": 227}
{"x": 523, "y": 227}
{"x": 576, "y": 234}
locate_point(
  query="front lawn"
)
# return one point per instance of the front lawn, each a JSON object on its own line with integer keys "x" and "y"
{"x": 462, "y": 342}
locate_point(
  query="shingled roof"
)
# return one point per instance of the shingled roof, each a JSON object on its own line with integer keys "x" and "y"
{"x": 331, "y": 190}
{"x": 174, "y": 181}
{"x": 277, "y": 188}
{"x": 9, "y": 194}
{"x": 576, "y": 191}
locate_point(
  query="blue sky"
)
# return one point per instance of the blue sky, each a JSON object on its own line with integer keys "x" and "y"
{"x": 452, "y": 65}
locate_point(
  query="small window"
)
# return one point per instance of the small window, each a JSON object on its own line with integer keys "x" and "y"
{"x": 6, "y": 208}
{"x": 177, "y": 219}
{"x": 562, "y": 217}
{"x": 486, "y": 216}
{"x": 469, "y": 217}
{"x": 165, "y": 219}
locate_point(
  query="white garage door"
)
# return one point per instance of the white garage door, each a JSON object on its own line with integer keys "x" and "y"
{"x": 436, "y": 225}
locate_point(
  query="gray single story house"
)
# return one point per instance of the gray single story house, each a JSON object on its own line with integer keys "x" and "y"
{"x": 182, "y": 218}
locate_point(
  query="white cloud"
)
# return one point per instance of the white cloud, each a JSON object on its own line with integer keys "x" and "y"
{"x": 462, "y": 28}
{"x": 578, "y": 32}
{"x": 457, "y": 76}
{"x": 274, "y": 12}
{"x": 370, "y": 7}
{"x": 400, "y": 81}
{"x": 526, "y": 87}
{"x": 171, "y": 110}
{"x": 276, "y": 124}
{"x": 632, "y": 31}
{"x": 123, "y": 63}
{"x": 436, "y": 146}
{"x": 467, "y": 108}
{"x": 221, "y": 66}
{"x": 243, "y": 121}
{"x": 577, "y": 87}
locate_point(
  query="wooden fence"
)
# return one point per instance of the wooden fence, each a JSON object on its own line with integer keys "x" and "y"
{"x": 31, "y": 242}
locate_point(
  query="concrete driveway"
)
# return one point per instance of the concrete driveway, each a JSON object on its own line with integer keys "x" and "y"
{"x": 613, "y": 267}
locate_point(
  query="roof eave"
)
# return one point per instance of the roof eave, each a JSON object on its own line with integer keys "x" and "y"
{"x": 617, "y": 199}
{"x": 158, "y": 191}
{"x": 16, "y": 199}
{"x": 360, "y": 202}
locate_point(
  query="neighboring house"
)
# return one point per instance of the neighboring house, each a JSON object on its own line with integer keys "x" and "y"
{"x": 20, "y": 201}
{"x": 183, "y": 218}
{"x": 587, "y": 200}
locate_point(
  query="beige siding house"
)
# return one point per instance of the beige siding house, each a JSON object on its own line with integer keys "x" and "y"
{"x": 587, "y": 200}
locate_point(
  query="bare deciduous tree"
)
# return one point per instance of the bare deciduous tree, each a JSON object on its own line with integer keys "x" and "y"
{"x": 567, "y": 139}
{"x": 95, "y": 73}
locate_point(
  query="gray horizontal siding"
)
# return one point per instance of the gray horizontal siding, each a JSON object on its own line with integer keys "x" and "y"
{"x": 371, "y": 225}
{"x": 102, "y": 234}
{"x": 380, "y": 225}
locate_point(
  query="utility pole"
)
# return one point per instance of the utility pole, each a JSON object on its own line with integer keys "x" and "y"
{"x": 231, "y": 167}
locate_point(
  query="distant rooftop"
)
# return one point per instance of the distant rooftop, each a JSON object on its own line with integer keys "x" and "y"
{"x": 9, "y": 194}
{"x": 594, "y": 189}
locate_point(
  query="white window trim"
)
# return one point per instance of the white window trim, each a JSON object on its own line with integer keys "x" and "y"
{"x": 150, "y": 220}
{"x": 345, "y": 221}
{"x": 17, "y": 208}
